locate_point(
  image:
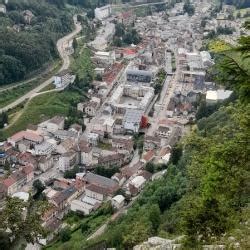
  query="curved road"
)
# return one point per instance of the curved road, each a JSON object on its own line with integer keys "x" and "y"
{"x": 61, "y": 45}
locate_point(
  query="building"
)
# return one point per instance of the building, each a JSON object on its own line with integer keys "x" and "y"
{"x": 28, "y": 139}
{"x": 3, "y": 8}
{"x": 62, "y": 200}
{"x": 132, "y": 120}
{"x": 108, "y": 186}
{"x": 119, "y": 178}
{"x": 66, "y": 146}
{"x": 151, "y": 142}
{"x": 93, "y": 139}
{"x": 163, "y": 131}
{"x": 123, "y": 143}
{"x": 114, "y": 160}
{"x": 63, "y": 79}
{"x": 45, "y": 162}
{"x": 55, "y": 123}
{"x": 96, "y": 192}
{"x": 86, "y": 157}
{"x": 82, "y": 207}
{"x": 118, "y": 201}
{"x": 148, "y": 156}
{"x": 105, "y": 58}
{"x": 214, "y": 96}
{"x": 131, "y": 97}
{"x": 67, "y": 161}
{"x": 103, "y": 12}
{"x": 136, "y": 185}
{"x": 28, "y": 15}
{"x": 139, "y": 76}
{"x": 45, "y": 148}
{"x": 92, "y": 107}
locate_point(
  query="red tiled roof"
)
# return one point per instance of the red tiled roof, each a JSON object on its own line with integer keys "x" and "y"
{"x": 28, "y": 169}
{"x": 127, "y": 51}
{"x": 28, "y": 135}
{"x": 9, "y": 182}
{"x": 149, "y": 155}
{"x": 110, "y": 76}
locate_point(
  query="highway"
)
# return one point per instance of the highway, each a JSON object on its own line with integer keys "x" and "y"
{"x": 61, "y": 45}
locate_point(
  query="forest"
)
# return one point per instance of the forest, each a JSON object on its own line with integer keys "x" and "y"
{"x": 26, "y": 44}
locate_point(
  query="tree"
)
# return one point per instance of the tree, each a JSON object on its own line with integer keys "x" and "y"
{"x": 75, "y": 44}
{"x": 188, "y": 8}
{"x": 3, "y": 119}
{"x": 176, "y": 154}
{"x": 38, "y": 186}
{"x": 20, "y": 225}
{"x": 70, "y": 174}
{"x": 137, "y": 232}
{"x": 150, "y": 167}
{"x": 107, "y": 172}
{"x": 65, "y": 234}
{"x": 4, "y": 241}
{"x": 155, "y": 216}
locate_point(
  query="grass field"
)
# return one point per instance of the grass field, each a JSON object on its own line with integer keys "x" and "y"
{"x": 8, "y": 96}
{"x": 42, "y": 107}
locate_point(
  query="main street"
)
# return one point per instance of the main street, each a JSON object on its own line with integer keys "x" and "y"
{"x": 61, "y": 45}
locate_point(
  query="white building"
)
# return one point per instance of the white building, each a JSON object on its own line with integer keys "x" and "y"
{"x": 214, "y": 96}
{"x": 103, "y": 12}
{"x": 95, "y": 192}
{"x": 55, "y": 123}
{"x": 79, "y": 206}
{"x": 2, "y": 8}
{"x": 45, "y": 148}
{"x": 63, "y": 79}
{"x": 67, "y": 161}
{"x": 105, "y": 57}
{"x": 138, "y": 182}
{"x": 93, "y": 139}
{"x": 118, "y": 201}
{"x": 86, "y": 155}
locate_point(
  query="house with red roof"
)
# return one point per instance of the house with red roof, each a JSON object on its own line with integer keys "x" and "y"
{"x": 24, "y": 140}
{"x": 10, "y": 185}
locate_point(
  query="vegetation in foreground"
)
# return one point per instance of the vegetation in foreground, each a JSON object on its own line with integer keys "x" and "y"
{"x": 79, "y": 228}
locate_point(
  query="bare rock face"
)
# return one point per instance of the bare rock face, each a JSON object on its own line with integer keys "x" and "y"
{"x": 157, "y": 243}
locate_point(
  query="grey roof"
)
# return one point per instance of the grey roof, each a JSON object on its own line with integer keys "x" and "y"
{"x": 139, "y": 72}
{"x": 133, "y": 115}
{"x": 100, "y": 180}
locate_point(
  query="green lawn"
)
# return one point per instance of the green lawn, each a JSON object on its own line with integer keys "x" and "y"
{"x": 44, "y": 106}
{"x": 8, "y": 96}
{"x": 48, "y": 87}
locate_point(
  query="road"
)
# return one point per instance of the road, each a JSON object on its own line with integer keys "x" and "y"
{"x": 127, "y": 5}
{"x": 61, "y": 45}
{"x": 167, "y": 92}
